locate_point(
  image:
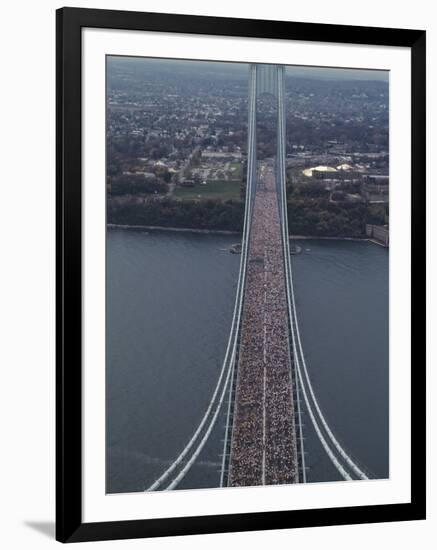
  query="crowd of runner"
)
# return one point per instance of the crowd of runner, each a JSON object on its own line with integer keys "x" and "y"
{"x": 263, "y": 447}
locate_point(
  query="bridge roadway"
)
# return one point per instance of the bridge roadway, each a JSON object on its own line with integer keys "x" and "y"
{"x": 263, "y": 446}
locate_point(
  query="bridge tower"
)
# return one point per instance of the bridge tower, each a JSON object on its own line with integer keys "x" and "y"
{"x": 267, "y": 80}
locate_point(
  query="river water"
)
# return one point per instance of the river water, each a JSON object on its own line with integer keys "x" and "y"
{"x": 170, "y": 298}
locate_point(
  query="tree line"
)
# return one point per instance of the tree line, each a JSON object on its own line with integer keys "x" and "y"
{"x": 207, "y": 214}
{"x": 308, "y": 216}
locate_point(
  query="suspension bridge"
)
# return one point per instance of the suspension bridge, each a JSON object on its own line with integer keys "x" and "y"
{"x": 264, "y": 384}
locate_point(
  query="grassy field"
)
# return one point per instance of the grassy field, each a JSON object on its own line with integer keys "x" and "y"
{"x": 219, "y": 189}
{"x": 237, "y": 170}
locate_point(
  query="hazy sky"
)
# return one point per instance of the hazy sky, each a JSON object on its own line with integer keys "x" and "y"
{"x": 298, "y": 70}
{"x": 338, "y": 74}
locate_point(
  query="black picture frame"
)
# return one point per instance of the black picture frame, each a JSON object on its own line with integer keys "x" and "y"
{"x": 69, "y": 525}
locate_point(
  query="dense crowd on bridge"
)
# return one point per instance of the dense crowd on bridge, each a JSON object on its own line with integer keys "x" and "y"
{"x": 263, "y": 441}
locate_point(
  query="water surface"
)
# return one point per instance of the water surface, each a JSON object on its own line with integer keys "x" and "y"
{"x": 170, "y": 298}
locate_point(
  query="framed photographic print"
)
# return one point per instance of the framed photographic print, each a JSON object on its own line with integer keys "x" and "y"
{"x": 240, "y": 274}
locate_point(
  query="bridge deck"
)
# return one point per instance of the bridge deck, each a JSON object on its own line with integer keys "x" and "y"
{"x": 263, "y": 449}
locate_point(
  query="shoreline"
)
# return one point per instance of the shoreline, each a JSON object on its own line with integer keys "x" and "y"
{"x": 172, "y": 229}
{"x": 313, "y": 238}
{"x": 228, "y": 232}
